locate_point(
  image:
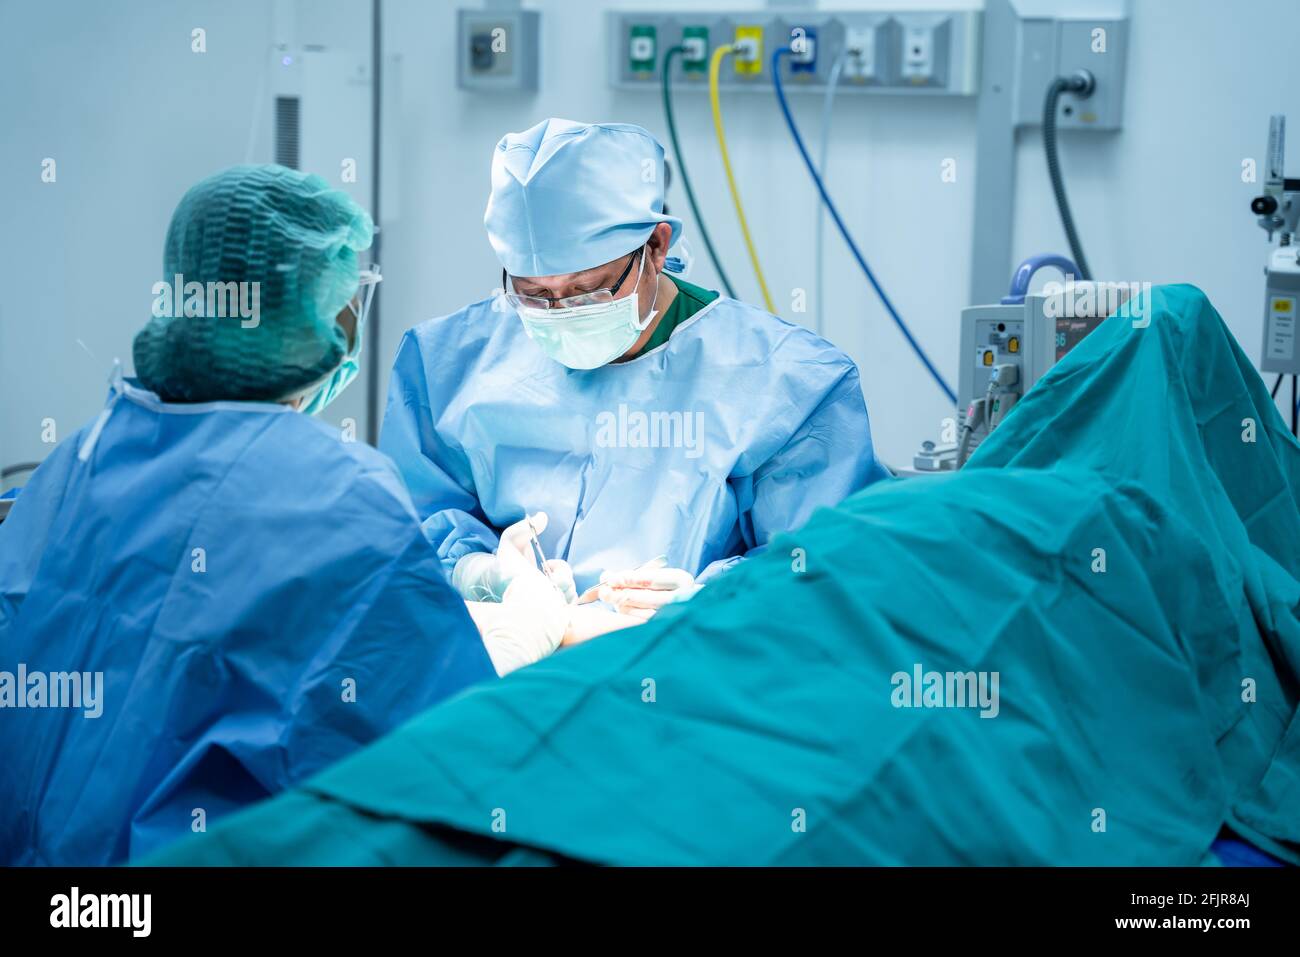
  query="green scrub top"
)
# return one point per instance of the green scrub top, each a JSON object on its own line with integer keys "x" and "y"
{"x": 690, "y": 300}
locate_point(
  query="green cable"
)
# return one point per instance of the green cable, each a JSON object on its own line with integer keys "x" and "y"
{"x": 681, "y": 166}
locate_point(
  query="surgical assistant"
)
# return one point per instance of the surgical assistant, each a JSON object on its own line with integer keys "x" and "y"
{"x": 253, "y": 595}
{"x": 644, "y": 415}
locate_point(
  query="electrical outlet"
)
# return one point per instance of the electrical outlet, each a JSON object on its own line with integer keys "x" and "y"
{"x": 860, "y": 64}
{"x": 695, "y": 56}
{"x": 917, "y": 59}
{"x": 641, "y": 50}
{"x": 497, "y": 50}
{"x": 803, "y": 50}
{"x": 749, "y": 50}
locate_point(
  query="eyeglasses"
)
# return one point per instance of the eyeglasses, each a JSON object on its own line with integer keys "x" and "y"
{"x": 369, "y": 278}
{"x": 568, "y": 302}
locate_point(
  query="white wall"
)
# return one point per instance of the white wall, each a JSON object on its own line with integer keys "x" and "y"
{"x": 113, "y": 92}
{"x": 131, "y": 119}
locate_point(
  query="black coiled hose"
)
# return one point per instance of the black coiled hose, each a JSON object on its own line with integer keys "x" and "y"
{"x": 1081, "y": 83}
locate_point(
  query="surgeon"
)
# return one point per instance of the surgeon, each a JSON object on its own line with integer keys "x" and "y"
{"x": 664, "y": 431}
{"x": 205, "y": 595}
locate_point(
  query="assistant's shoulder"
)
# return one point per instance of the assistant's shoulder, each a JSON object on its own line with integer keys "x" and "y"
{"x": 338, "y": 459}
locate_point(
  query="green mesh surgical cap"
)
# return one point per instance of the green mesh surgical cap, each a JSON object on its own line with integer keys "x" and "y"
{"x": 293, "y": 236}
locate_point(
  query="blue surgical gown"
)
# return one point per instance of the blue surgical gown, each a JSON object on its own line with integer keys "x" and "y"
{"x": 258, "y": 597}
{"x": 735, "y": 429}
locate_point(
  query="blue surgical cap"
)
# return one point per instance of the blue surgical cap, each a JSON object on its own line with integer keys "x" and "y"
{"x": 570, "y": 196}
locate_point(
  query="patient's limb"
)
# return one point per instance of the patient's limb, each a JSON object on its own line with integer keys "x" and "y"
{"x": 588, "y": 621}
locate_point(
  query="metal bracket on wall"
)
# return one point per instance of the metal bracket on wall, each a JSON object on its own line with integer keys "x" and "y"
{"x": 1020, "y": 57}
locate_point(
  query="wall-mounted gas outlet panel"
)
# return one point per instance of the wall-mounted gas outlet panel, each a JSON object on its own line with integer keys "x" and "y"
{"x": 916, "y": 52}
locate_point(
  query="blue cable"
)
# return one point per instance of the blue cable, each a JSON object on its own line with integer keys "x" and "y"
{"x": 844, "y": 231}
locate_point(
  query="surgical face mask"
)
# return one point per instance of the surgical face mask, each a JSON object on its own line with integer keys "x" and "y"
{"x": 587, "y": 337}
{"x": 329, "y": 390}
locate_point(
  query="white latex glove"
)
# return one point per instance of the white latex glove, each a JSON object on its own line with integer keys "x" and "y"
{"x": 526, "y": 626}
{"x": 480, "y": 576}
{"x": 562, "y": 577}
{"x": 642, "y": 591}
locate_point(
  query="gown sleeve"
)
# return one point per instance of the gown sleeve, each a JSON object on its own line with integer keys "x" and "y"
{"x": 449, "y": 509}
{"x": 827, "y": 458}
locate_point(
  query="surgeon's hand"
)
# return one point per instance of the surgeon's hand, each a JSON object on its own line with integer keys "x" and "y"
{"x": 526, "y": 625}
{"x": 483, "y": 577}
{"x": 561, "y": 575}
{"x": 642, "y": 591}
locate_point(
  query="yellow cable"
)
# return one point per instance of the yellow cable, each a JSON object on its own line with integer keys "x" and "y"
{"x": 715, "y": 64}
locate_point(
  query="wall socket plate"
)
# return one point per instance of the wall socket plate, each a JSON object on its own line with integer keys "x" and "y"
{"x": 497, "y": 49}
{"x": 1059, "y": 47}
{"x": 860, "y": 65}
{"x": 922, "y": 50}
{"x": 947, "y": 64}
